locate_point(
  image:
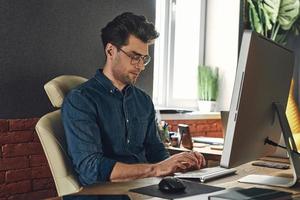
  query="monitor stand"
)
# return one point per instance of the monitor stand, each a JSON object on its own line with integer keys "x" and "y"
{"x": 293, "y": 157}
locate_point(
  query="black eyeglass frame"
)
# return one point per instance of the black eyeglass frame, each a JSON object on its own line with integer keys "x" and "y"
{"x": 135, "y": 59}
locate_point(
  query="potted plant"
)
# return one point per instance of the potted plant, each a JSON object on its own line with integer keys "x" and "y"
{"x": 208, "y": 86}
{"x": 274, "y": 19}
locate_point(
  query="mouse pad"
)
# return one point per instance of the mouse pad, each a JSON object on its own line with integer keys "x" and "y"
{"x": 192, "y": 188}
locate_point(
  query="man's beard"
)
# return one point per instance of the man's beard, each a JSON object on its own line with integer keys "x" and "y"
{"x": 130, "y": 80}
{"x": 126, "y": 79}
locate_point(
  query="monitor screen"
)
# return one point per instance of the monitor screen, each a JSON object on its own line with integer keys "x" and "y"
{"x": 263, "y": 76}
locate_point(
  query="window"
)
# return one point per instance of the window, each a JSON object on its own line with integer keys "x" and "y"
{"x": 178, "y": 52}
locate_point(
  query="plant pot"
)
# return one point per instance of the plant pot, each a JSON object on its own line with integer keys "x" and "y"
{"x": 207, "y": 106}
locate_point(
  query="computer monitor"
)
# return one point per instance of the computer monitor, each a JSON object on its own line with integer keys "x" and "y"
{"x": 263, "y": 77}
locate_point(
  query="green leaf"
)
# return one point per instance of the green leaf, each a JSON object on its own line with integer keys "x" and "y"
{"x": 288, "y": 13}
{"x": 254, "y": 19}
{"x": 267, "y": 19}
{"x": 272, "y": 8}
{"x": 270, "y": 17}
{"x": 281, "y": 39}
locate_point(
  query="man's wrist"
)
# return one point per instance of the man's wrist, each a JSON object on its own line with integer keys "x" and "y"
{"x": 155, "y": 170}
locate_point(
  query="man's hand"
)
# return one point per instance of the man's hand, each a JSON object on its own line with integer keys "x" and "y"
{"x": 177, "y": 163}
{"x": 180, "y": 163}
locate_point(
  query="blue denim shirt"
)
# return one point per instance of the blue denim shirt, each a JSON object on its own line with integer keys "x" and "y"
{"x": 104, "y": 125}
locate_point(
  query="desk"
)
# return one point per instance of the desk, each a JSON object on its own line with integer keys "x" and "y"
{"x": 227, "y": 182}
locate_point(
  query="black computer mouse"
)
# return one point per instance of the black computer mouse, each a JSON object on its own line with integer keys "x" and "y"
{"x": 171, "y": 185}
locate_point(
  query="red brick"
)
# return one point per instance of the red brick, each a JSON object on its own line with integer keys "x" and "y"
{"x": 214, "y": 134}
{"x": 201, "y": 127}
{"x": 41, "y": 172}
{"x": 173, "y": 128}
{"x": 170, "y": 127}
{"x": 2, "y": 177}
{"x": 199, "y": 133}
{"x": 193, "y": 128}
{"x": 215, "y": 126}
{"x": 4, "y": 198}
{"x": 205, "y": 121}
{"x": 17, "y": 175}
{"x": 16, "y": 137}
{"x": 12, "y": 150}
{"x": 13, "y": 163}
{"x": 170, "y": 122}
{"x": 38, "y": 160}
{"x": 220, "y": 127}
{"x": 4, "y": 125}
{"x": 42, "y": 194}
{"x": 44, "y": 183}
{"x": 22, "y": 124}
{"x": 183, "y": 122}
{"x": 15, "y": 188}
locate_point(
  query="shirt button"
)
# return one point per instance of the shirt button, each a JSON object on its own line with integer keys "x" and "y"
{"x": 127, "y": 120}
{"x": 128, "y": 141}
{"x": 111, "y": 91}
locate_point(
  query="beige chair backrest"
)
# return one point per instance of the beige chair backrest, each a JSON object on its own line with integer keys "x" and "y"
{"x": 52, "y": 136}
{"x": 58, "y": 87}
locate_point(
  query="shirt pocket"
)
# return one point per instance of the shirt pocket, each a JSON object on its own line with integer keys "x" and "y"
{"x": 139, "y": 131}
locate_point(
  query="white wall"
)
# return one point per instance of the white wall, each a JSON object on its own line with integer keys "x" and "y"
{"x": 222, "y": 32}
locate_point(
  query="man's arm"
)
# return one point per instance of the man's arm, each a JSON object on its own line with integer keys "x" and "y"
{"x": 83, "y": 138}
{"x": 177, "y": 163}
{"x": 156, "y": 153}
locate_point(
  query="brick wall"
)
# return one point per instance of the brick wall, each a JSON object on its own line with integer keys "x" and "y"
{"x": 206, "y": 127}
{"x": 24, "y": 171}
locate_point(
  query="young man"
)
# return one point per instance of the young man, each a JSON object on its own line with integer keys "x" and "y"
{"x": 109, "y": 123}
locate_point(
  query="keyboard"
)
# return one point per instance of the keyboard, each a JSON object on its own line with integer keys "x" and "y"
{"x": 206, "y": 173}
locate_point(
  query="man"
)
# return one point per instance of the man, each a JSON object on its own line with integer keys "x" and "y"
{"x": 109, "y": 123}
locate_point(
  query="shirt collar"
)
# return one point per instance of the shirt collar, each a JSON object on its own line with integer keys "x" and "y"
{"x": 107, "y": 84}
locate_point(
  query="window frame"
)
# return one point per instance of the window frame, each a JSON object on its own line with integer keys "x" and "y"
{"x": 164, "y": 55}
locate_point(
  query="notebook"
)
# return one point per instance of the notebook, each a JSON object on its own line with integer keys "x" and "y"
{"x": 251, "y": 193}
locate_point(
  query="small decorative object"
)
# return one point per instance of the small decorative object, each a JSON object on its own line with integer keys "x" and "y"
{"x": 208, "y": 86}
{"x": 164, "y": 132}
{"x": 174, "y": 141}
{"x": 186, "y": 139}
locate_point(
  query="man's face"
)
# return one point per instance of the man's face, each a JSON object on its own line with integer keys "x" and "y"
{"x": 125, "y": 69}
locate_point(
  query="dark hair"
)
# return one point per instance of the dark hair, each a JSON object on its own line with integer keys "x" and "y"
{"x": 118, "y": 30}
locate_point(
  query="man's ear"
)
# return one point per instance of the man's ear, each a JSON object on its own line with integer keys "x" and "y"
{"x": 109, "y": 50}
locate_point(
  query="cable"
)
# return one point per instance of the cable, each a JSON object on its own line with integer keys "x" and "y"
{"x": 270, "y": 142}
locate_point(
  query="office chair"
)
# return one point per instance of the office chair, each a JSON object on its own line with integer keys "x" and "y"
{"x": 50, "y": 131}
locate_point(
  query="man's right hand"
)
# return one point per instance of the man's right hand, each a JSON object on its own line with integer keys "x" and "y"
{"x": 180, "y": 163}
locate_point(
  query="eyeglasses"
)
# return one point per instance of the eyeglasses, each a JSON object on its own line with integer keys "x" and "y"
{"x": 135, "y": 59}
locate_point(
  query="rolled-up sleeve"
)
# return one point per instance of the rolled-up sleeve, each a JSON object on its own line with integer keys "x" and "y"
{"x": 83, "y": 138}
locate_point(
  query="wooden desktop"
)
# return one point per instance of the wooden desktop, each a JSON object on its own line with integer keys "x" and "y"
{"x": 213, "y": 158}
{"x": 226, "y": 182}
